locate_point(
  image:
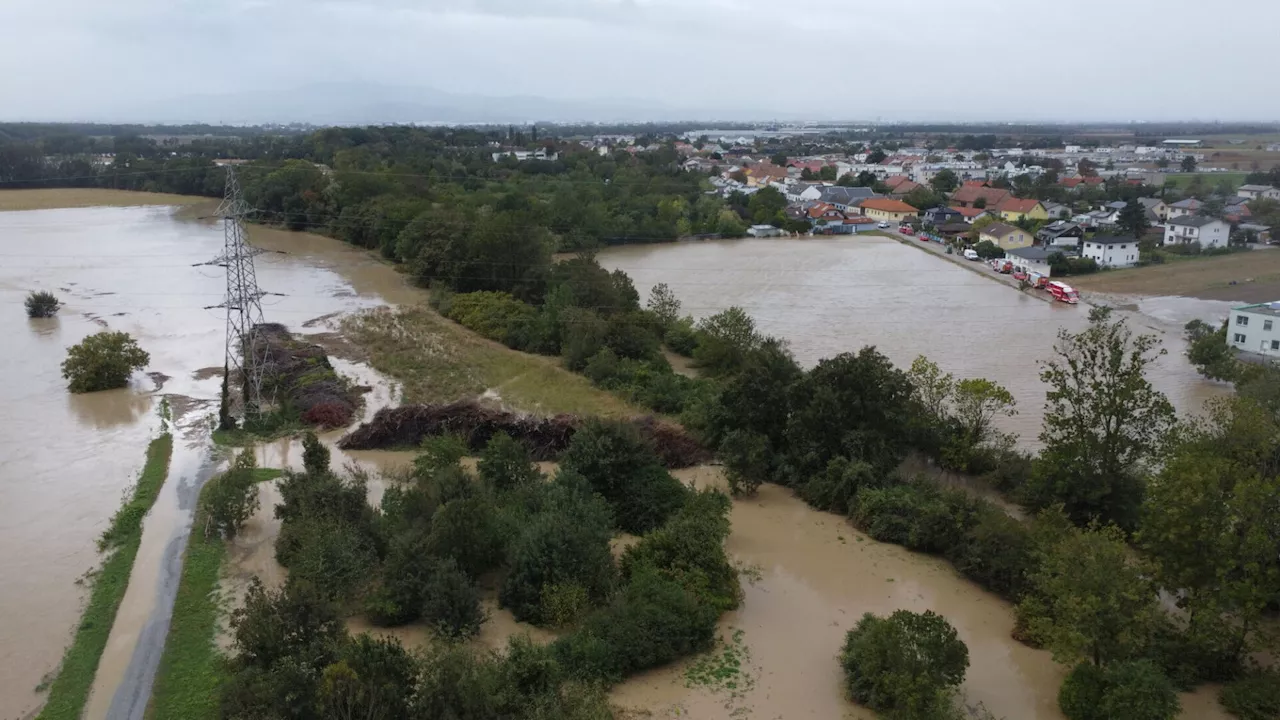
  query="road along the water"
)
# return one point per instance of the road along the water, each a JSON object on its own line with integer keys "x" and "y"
{"x": 827, "y": 296}
{"x": 67, "y": 460}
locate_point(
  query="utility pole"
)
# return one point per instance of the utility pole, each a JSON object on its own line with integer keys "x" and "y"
{"x": 245, "y": 352}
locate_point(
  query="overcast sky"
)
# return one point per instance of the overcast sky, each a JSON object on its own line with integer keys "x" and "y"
{"x": 894, "y": 59}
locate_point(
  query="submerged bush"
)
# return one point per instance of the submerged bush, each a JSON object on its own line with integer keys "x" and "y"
{"x": 1253, "y": 697}
{"x": 626, "y": 471}
{"x": 906, "y": 665}
{"x": 42, "y": 304}
{"x": 1135, "y": 690}
{"x": 103, "y": 361}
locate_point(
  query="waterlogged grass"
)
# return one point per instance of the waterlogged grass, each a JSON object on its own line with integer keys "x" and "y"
{"x": 70, "y": 689}
{"x": 50, "y": 198}
{"x": 191, "y": 669}
{"x": 725, "y": 669}
{"x": 439, "y": 361}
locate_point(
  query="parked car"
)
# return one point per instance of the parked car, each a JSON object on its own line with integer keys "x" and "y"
{"x": 882, "y": 224}
{"x": 906, "y": 230}
{"x": 971, "y": 254}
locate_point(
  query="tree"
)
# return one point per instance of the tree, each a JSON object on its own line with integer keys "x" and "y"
{"x": 624, "y": 469}
{"x": 980, "y": 204}
{"x": 922, "y": 198}
{"x": 876, "y": 156}
{"x": 988, "y": 250}
{"x": 779, "y": 159}
{"x": 103, "y": 361}
{"x": 1133, "y": 219}
{"x": 451, "y": 602}
{"x": 1136, "y": 690}
{"x": 1091, "y": 599}
{"x": 827, "y": 173}
{"x": 1103, "y": 421}
{"x": 765, "y": 205}
{"x": 1087, "y": 168}
{"x": 945, "y": 181}
{"x": 231, "y": 498}
{"x": 978, "y": 402}
{"x": 1188, "y": 163}
{"x": 906, "y": 666}
{"x": 1209, "y": 352}
{"x": 865, "y": 178}
{"x": 42, "y": 304}
{"x": 505, "y": 463}
{"x": 664, "y": 305}
{"x": 724, "y": 341}
{"x": 315, "y": 456}
{"x": 1162, "y": 163}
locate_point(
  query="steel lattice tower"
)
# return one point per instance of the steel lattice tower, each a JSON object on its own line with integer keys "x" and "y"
{"x": 245, "y": 354}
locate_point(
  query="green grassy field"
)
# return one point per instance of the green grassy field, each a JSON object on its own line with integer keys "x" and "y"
{"x": 1211, "y": 180}
{"x": 191, "y": 668}
{"x": 70, "y": 690}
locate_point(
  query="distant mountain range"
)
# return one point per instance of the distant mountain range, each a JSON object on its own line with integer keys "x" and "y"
{"x": 366, "y": 104}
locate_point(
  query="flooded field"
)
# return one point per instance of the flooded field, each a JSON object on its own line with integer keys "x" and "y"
{"x": 827, "y": 296}
{"x": 67, "y": 459}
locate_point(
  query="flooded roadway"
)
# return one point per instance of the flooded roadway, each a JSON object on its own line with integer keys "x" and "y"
{"x": 68, "y": 460}
{"x": 827, "y": 296}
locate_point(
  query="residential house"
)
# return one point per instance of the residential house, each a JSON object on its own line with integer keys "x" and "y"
{"x": 1031, "y": 259}
{"x": 820, "y": 214}
{"x": 887, "y": 209}
{"x": 1253, "y": 192}
{"x": 856, "y": 223}
{"x": 1072, "y": 183}
{"x": 971, "y": 196}
{"x": 952, "y": 230}
{"x": 761, "y": 174}
{"x": 1156, "y": 207}
{"x": 1014, "y": 209}
{"x": 763, "y": 231}
{"x": 1056, "y": 211}
{"x": 941, "y": 216}
{"x": 1112, "y": 252}
{"x": 1209, "y": 232}
{"x": 1060, "y": 232}
{"x": 1255, "y": 328}
{"x": 804, "y": 192}
{"x": 970, "y": 214}
{"x": 845, "y": 197}
{"x": 900, "y": 185}
{"x": 1182, "y": 208}
{"x": 1007, "y": 237}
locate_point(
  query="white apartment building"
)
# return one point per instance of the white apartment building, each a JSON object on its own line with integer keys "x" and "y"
{"x": 1184, "y": 230}
{"x": 1255, "y": 328}
{"x": 1112, "y": 252}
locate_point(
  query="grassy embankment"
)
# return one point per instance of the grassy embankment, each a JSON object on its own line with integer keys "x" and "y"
{"x": 191, "y": 668}
{"x": 436, "y": 360}
{"x": 51, "y": 198}
{"x": 1256, "y": 274}
{"x": 70, "y": 690}
{"x": 1210, "y": 180}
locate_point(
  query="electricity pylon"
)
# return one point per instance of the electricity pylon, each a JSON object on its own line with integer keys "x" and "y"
{"x": 245, "y": 351}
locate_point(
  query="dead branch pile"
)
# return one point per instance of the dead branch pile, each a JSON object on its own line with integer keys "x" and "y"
{"x": 546, "y": 437}
{"x": 298, "y": 375}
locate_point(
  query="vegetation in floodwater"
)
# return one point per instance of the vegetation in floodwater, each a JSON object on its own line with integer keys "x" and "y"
{"x": 70, "y": 689}
{"x": 42, "y": 304}
{"x": 103, "y": 361}
{"x": 726, "y": 669}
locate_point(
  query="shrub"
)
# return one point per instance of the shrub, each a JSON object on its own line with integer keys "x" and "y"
{"x": 834, "y": 489}
{"x": 906, "y": 665}
{"x": 273, "y": 625}
{"x": 1254, "y": 697}
{"x": 654, "y": 621}
{"x": 563, "y": 603}
{"x": 439, "y": 452}
{"x": 103, "y": 361}
{"x": 1135, "y": 690}
{"x": 689, "y": 549}
{"x": 916, "y": 515}
{"x": 505, "y": 463}
{"x": 997, "y": 553}
{"x": 333, "y": 557}
{"x": 232, "y": 497}
{"x": 681, "y": 337}
{"x": 397, "y": 597}
{"x": 372, "y": 678}
{"x": 632, "y": 335}
{"x": 491, "y": 314}
{"x": 328, "y": 415}
{"x": 451, "y": 602}
{"x": 626, "y": 472}
{"x": 466, "y": 531}
{"x": 582, "y": 334}
{"x": 988, "y": 250}
{"x": 315, "y": 456}
{"x": 746, "y": 458}
{"x": 42, "y": 304}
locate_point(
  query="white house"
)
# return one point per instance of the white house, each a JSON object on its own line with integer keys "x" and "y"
{"x": 1255, "y": 328}
{"x": 804, "y": 192}
{"x": 1252, "y": 192}
{"x": 763, "y": 231}
{"x": 1030, "y": 259}
{"x": 1209, "y": 232}
{"x": 1113, "y": 252}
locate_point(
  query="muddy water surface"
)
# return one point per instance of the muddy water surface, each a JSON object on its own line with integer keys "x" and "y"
{"x": 67, "y": 460}
{"x": 828, "y": 296}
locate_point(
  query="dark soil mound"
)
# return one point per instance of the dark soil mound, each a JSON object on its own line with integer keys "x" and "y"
{"x": 298, "y": 375}
{"x": 546, "y": 437}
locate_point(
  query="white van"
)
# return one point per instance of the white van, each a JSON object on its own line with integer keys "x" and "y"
{"x": 970, "y": 254}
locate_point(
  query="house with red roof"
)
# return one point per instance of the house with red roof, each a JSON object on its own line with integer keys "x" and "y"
{"x": 888, "y": 209}
{"x": 970, "y": 214}
{"x": 968, "y": 196}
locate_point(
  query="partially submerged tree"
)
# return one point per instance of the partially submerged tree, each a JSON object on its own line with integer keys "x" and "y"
{"x": 232, "y": 497}
{"x": 42, "y": 304}
{"x": 906, "y": 665}
{"x": 103, "y": 361}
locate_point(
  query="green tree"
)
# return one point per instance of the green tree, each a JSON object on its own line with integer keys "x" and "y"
{"x": 906, "y": 666}
{"x": 1091, "y": 599}
{"x": 315, "y": 456}
{"x": 505, "y": 463}
{"x": 765, "y": 205}
{"x": 42, "y": 304}
{"x": 372, "y": 678}
{"x": 1103, "y": 422}
{"x": 451, "y": 602}
{"x": 827, "y": 173}
{"x": 103, "y": 361}
{"x": 945, "y": 181}
{"x": 724, "y": 341}
{"x": 664, "y": 305}
{"x": 232, "y": 497}
{"x": 1188, "y": 163}
{"x": 988, "y": 250}
{"x": 876, "y": 156}
{"x": 1135, "y": 690}
{"x": 779, "y": 159}
{"x": 922, "y": 198}
{"x": 625, "y": 470}
{"x": 1209, "y": 351}
{"x": 1087, "y": 168}
{"x": 1133, "y": 219}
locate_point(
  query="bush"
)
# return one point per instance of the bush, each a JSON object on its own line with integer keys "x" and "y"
{"x": 1254, "y": 697}
{"x": 232, "y": 497}
{"x": 681, "y": 337}
{"x": 1135, "y": 690}
{"x": 372, "y": 678}
{"x": 505, "y": 463}
{"x": 466, "y": 530}
{"x": 583, "y": 333}
{"x": 492, "y": 314}
{"x": 328, "y": 415}
{"x": 624, "y": 469}
{"x": 988, "y": 250}
{"x": 397, "y": 598}
{"x": 834, "y": 489}
{"x": 331, "y": 556}
{"x": 451, "y": 602}
{"x": 689, "y": 549}
{"x": 103, "y": 361}
{"x": 42, "y": 304}
{"x": 315, "y": 456}
{"x": 997, "y": 553}
{"x": 563, "y": 603}
{"x": 746, "y": 457}
{"x": 916, "y": 515}
{"x": 906, "y": 665}
{"x": 294, "y": 622}
{"x": 632, "y": 335}
{"x": 654, "y": 621}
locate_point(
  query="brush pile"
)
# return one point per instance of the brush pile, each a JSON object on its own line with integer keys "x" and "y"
{"x": 298, "y": 375}
{"x": 545, "y": 437}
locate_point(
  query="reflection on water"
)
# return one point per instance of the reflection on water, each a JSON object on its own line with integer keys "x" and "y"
{"x": 66, "y": 461}
{"x": 827, "y": 296}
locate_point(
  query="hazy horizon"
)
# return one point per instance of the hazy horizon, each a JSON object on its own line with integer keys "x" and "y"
{"x": 256, "y": 61}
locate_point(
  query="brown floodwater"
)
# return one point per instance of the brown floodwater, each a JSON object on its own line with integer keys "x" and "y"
{"x": 66, "y": 461}
{"x": 827, "y": 296}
